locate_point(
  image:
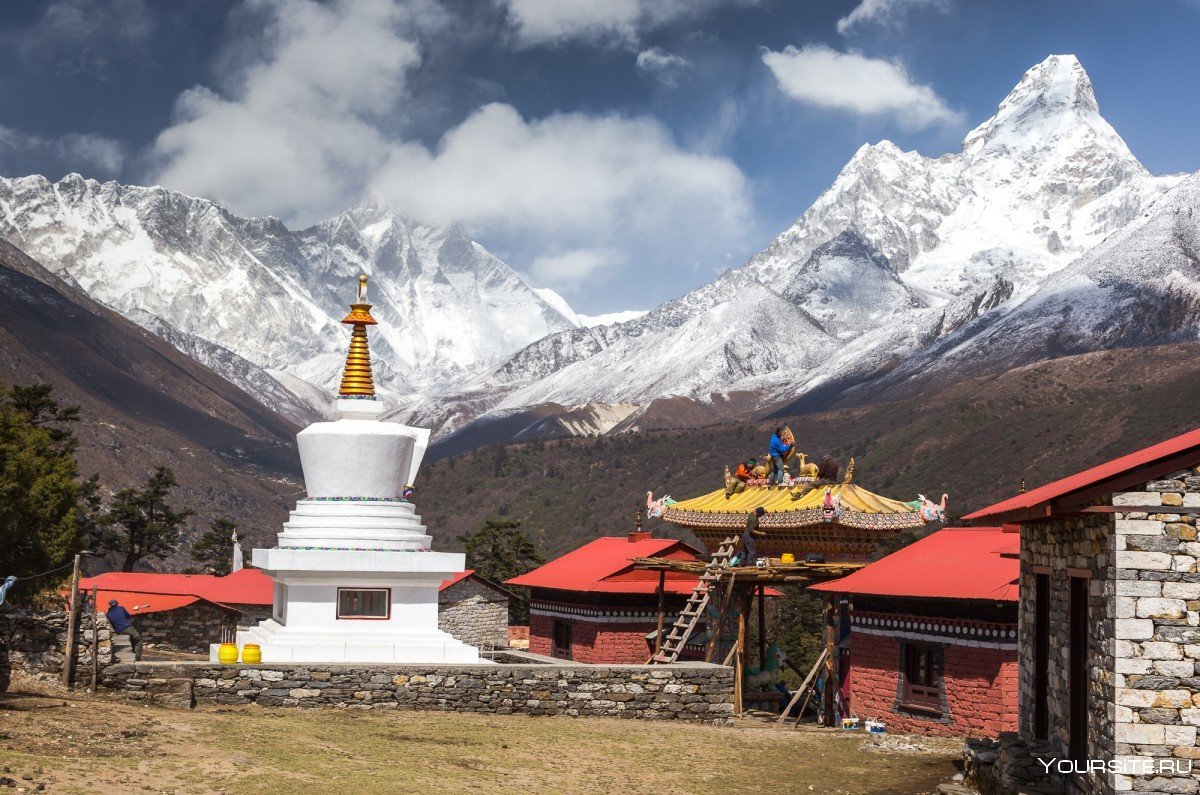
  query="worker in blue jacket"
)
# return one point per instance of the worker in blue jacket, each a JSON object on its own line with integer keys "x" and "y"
{"x": 123, "y": 625}
{"x": 779, "y": 451}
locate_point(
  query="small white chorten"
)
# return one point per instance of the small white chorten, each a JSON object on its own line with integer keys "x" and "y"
{"x": 355, "y": 577}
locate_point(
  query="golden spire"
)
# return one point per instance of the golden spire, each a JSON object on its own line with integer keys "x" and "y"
{"x": 356, "y": 379}
{"x": 849, "y": 471}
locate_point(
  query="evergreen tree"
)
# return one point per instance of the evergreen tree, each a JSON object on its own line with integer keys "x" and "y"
{"x": 499, "y": 551}
{"x": 214, "y": 549}
{"x": 39, "y": 495}
{"x": 140, "y": 523}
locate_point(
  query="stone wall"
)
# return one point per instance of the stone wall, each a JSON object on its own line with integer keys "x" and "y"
{"x": 193, "y": 627}
{"x": 1156, "y": 646}
{"x": 474, "y": 613}
{"x": 690, "y": 691}
{"x": 1143, "y": 643}
{"x": 979, "y": 688}
{"x": 32, "y": 642}
{"x": 1085, "y": 545}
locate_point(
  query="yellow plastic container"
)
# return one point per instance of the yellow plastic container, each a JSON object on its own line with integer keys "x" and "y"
{"x": 227, "y": 654}
{"x": 787, "y": 557}
{"x": 251, "y": 654}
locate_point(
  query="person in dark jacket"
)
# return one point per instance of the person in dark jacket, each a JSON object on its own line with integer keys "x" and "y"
{"x": 779, "y": 451}
{"x": 749, "y": 545}
{"x": 123, "y": 625}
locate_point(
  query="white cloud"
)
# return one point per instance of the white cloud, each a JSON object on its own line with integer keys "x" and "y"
{"x": 93, "y": 155}
{"x": 300, "y": 133}
{"x": 818, "y": 75}
{"x": 569, "y": 271}
{"x": 618, "y": 21}
{"x": 573, "y": 180}
{"x": 307, "y": 124}
{"x": 665, "y": 66}
{"x": 887, "y": 13}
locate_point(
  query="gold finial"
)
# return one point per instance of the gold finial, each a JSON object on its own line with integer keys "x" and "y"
{"x": 849, "y": 471}
{"x": 1022, "y": 491}
{"x": 637, "y": 519}
{"x": 356, "y": 378}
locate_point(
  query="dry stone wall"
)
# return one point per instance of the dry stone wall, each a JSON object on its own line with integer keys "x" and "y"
{"x": 689, "y": 692}
{"x": 32, "y": 642}
{"x": 474, "y": 614}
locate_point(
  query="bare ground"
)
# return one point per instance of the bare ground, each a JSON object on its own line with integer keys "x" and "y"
{"x": 72, "y": 743}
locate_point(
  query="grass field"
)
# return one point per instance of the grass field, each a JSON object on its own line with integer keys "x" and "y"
{"x": 74, "y": 744}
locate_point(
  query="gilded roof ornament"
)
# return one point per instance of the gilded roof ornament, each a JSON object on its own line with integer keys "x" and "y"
{"x": 356, "y": 378}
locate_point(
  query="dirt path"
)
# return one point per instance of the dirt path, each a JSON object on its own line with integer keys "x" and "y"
{"x": 73, "y": 744}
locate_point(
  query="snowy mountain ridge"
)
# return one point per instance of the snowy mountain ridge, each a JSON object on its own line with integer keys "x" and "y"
{"x": 252, "y": 298}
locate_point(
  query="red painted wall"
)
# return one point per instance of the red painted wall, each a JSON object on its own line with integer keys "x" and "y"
{"x": 595, "y": 642}
{"x": 980, "y": 686}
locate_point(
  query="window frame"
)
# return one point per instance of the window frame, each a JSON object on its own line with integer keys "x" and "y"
{"x": 387, "y": 601}
{"x": 923, "y": 697}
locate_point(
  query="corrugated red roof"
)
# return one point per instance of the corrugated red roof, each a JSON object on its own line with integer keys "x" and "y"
{"x": 1163, "y": 454}
{"x": 606, "y": 566}
{"x": 457, "y": 578}
{"x": 954, "y": 563}
{"x": 245, "y": 587}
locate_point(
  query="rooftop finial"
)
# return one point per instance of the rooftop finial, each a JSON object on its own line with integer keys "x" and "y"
{"x": 356, "y": 378}
{"x": 849, "y": 471}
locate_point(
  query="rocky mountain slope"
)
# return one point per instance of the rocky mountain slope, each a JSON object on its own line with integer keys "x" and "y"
{"x": 900, "y": 252}
{"x": 259, "y": 302}
{"x": 145, "y": 404}
{"x": 977, "y": 440}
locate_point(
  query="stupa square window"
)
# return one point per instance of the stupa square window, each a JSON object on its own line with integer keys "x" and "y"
{"x": 364, "y": 603}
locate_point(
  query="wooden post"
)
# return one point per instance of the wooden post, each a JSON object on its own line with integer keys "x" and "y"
{"x": 762, "y": 628}
{"x": 830, "y": 665}
{"x": 740, "y": 664}
{"x": 662, "y": 609}
{"x": 95, "y": 637}
{"x": 72, "y": 619}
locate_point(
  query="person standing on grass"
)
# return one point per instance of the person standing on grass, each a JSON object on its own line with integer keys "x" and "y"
{"x": 123, "y": 625}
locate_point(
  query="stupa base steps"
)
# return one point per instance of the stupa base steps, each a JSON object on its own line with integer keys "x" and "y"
{"x": 280, "y": 644}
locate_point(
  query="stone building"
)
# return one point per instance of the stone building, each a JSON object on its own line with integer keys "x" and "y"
{"x": 1109, "y": 619}
{"x": 933, "y": 635}
{"x": 475, "y": 610}
{"x": 592, "y": 606}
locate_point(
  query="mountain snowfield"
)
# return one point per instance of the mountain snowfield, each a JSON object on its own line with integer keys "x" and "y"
{"x": 261, "y": 304}
{"x": 1043, "y": 235}
{"x": 902, "y": 251}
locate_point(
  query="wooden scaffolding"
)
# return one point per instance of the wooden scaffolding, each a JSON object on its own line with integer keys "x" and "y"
{"x": 737, "y": 590}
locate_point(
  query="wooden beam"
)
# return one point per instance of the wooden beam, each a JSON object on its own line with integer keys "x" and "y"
{"x": 72, "y": 626}
{"x": 662, "y": 609}
{"x": 762, "y": 628}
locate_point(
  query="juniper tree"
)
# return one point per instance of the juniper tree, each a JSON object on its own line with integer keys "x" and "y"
{"x": 499, "y": 551}
{"x": 214, "y": 548}
{"x": 39, "y": 494}
{"x": 140, "y": 523}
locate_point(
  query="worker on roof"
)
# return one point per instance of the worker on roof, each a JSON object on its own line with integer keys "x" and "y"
{"x": 737, "y": 484}
{"x": 123, "y": 625}
{"x": 779, "y": 451}
{"x": 749, "y": 545}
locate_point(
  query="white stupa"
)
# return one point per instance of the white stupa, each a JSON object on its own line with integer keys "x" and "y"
{"x": 355, "y": 577}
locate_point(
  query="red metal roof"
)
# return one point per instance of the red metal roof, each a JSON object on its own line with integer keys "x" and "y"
{"x": 165, "y": 591}
{"x": 457, "y": 578}
{"x": 1160, "y": 458}
{"x": 606, "y": 566}
{"x": 954, "y": 563}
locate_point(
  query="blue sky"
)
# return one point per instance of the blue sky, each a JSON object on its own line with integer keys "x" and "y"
{"x": 621, "y": 152}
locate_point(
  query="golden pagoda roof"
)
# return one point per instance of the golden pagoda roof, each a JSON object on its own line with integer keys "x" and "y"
{"x": 797, "y": 507}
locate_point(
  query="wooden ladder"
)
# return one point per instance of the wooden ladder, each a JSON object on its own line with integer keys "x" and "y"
{"x": 682, "y": 629}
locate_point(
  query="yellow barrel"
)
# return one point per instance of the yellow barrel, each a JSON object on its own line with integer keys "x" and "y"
{"x": 787, "y": 557}
{"x": 251, "y": 654}
{"x": 227, "y": 654}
